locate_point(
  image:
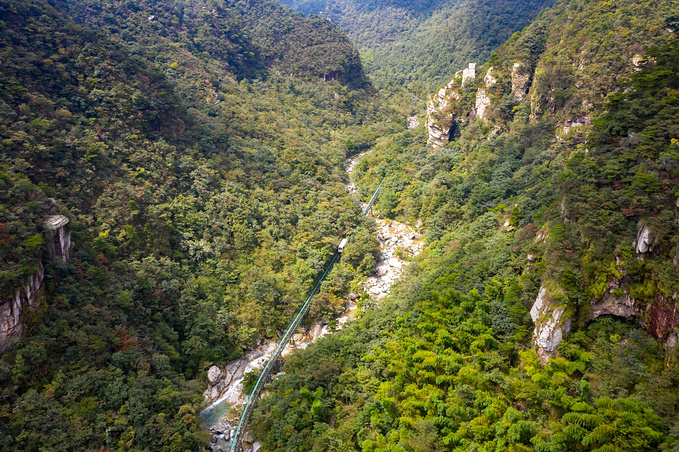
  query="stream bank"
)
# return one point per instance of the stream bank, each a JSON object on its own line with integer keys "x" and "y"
{"x": 224, "y": 395}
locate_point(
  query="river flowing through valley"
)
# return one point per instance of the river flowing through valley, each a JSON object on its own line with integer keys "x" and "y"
{"x": 225, "y": 394}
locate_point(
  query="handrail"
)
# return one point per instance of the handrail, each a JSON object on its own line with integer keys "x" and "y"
{"x": 373, "y": 198}
{"x": 236, "y": 441}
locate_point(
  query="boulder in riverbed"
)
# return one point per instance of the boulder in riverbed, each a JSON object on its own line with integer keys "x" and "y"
{"x": 214, "y": 375}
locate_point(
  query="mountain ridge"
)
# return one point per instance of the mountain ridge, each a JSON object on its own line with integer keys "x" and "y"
{"x": 415, "y": 43}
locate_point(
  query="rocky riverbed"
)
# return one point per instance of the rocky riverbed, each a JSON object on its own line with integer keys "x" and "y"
{"x": 398, "y": 242}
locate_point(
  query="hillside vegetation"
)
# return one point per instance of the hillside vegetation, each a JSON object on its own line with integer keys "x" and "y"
{"x": 417, "y": 44}
{"x": 199, "y": 155}
{"x": 249, "y": 39}
{"x": 198, "y": 149}
{"x": 545, "y": 192}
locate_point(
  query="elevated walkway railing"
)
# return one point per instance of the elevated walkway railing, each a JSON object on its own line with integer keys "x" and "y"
{"x": 237, "y": 438}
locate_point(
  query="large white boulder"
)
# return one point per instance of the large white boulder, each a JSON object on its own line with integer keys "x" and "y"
{"x": 644, "y": 240}
{"x": 214, "y": 374}
{"x": 550, "y": 325}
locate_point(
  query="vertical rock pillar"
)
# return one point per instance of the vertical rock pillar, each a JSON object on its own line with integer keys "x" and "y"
{"x": 60, "y": 243}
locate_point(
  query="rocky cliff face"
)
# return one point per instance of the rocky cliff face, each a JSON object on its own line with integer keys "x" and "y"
{"x": 645, "y": 240}
{"x": 13, "y": 310}
{"x": 616, "y": 301}
{"x": 519, "y": 82}
{"x": 551, "y": 325}
{"x": 27, "y": 298}
{"x": 60, "y": 243}
{"x": 482, "y": 99}
{"x": 661, "y": 317}
{"x": 524, "y": 85}
{"x": 440, "y": 120}
{"x": 440, "y": 117}
{"x": 468, "y": 74}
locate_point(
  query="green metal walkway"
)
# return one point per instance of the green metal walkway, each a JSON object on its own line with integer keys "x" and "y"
{"x": 237, "y": 438}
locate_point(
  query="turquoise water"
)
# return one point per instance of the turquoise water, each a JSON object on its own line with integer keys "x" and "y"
{"x": 211, "y": 416}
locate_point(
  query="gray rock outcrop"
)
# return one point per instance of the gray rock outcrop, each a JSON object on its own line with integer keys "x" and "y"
{"x": 489, "y": 80}
{"x": 614, "y": 302}
{"x": 661, "y": 316}
{"x": 519, "y": 82}
{"x": 578, "y": 121}
{"x": 440, "y": 118}
{"x": 468, "y": 74}
{"x": 214, "y": 375}
{"x": 12, "y": 310}
{"x": 60, "y": 245}
{"x": 645, "y": 240}
{"x": 482, "y": 99}
{"x": 229, "y": 385}
{"x": 28, "y": 296}
{"x": 551, "y": 326}
{"x": 482, "y": 103}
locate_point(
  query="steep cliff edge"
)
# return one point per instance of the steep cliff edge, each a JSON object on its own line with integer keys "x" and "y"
{"x": 583, "y": 88}
{"x": 13, "y": 311}
{"x": 440, "y": 119}
{"x": 29, "y": 296}
{"x": 59, "y": 243}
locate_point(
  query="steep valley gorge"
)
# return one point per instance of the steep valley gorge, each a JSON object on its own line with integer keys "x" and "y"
{"x": 176, "y": 177}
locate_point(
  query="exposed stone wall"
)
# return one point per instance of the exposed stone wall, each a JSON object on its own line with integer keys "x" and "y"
{"x": 615, "y": 301}
{"x": 645, "y": 240}
{"x": 578, "y": 121}
{"x": 489, "y": 80}
{"x": 12, "y": 311}
{"x": 662, "y": 316}
{"x": 27, "y": 297}
{"x": 469, "y": 74}
{"x": 60, "y": 245}
{"x": 482, "y": 98}
{"x": 519, "y": 82}
{"x": 440, "y": 118}
{"x": 552, "y": 323}
{"x": 482, "y": 103}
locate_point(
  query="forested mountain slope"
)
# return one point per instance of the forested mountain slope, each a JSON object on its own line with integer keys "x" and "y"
{"x": 197, "y": 151}
{"x": 415, "y": 44}
{"x": 248, "y": 38}
{"x": 204, "y": 190}
{"x": 542, "y": 315}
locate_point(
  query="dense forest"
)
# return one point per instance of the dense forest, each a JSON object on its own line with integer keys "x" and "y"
{"x": 205, "y": 191}
{"x": 197, "y": 149}
{"x": 545, "y": 194}
{"x": 417, "y": 44}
